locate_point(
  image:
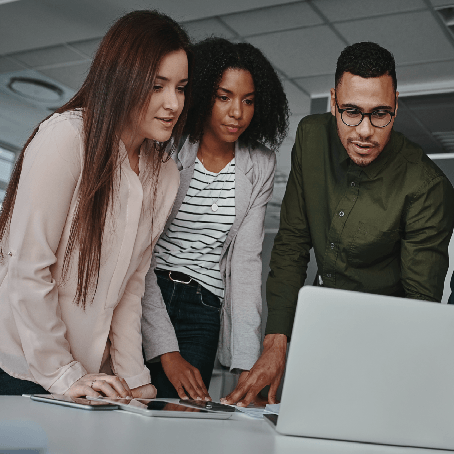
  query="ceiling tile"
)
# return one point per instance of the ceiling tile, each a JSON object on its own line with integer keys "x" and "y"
{"x": 71, "y": 76}
{"x": 304, "y": 52}
{"x": 265, "y": 20}
{"x": 200, "y": 29}
{"x": 31, "y": 24}
{"x": 199, "y": 9}
{"x": 316, "y": 85}
{"x": 8, "y": 65}
{"x": 405, "y": 35}
{"x": 47, "y": 56}
{"x": 299, "y": 102}
{"x": 354, "y": 9}
{"x": 425, "y": 73}
{"x": 87, "y": 47}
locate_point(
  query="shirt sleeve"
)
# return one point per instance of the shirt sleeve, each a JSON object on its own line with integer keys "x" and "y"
{"x": 49, "y": 176}
{"x": 291, "y": 251}
{"x": 158, "y": 333}
{"x": 246, "y": 276}
{"x": 424, "y": 251}
{"x": 125, "y": 332}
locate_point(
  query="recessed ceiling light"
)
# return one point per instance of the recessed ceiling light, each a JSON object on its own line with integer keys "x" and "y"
{"x": 35, "y": 89}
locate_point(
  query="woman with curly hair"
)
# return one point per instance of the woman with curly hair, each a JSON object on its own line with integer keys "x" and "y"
{"x": 89, "y": 196}
{"x": 204, "y": 284}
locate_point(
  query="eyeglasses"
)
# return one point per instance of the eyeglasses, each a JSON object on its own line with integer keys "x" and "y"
{"x": 353, "y": 117}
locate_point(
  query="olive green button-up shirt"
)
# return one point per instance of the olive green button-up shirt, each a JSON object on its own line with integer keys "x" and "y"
{"x": 383, "y": 228}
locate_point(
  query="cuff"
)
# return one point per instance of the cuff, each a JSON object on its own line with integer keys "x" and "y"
{"x": 156, "y": 349}
{"x": 141, "y": 379}
{"x": 74, "y": 372}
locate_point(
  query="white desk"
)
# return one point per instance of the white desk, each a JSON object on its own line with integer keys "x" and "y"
{"x": 73, "y": 431}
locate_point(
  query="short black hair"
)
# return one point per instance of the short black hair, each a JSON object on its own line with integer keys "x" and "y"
{"x": 212, "y": 57}
{"x": 366, "y": 60}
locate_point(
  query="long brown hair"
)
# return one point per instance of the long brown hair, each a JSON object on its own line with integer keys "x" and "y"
{"x": 119, "y": 83}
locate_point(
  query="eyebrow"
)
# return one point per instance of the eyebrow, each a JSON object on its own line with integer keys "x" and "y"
{"x": 231, "y": 92}
{"x": 167, "y": 79}
{"x": 354, "y": 106}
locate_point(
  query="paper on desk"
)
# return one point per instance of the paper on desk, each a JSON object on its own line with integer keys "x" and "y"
{"x": 257, "y": 412}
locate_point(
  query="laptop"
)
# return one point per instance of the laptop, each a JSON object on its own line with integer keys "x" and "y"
{"x": 370, "y": 368}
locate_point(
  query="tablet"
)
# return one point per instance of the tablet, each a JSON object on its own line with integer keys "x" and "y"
{"x": 75, "y": 402}
{"x": 161, "y": 408}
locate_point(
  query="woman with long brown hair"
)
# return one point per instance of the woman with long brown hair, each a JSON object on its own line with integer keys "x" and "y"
{"x": 88, "y": 198}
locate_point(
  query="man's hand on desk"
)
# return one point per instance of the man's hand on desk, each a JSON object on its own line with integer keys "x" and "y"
{"x": 268, "y": 370}
{"x": 184, "y": 377}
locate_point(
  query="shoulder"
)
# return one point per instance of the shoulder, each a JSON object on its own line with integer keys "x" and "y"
{"x": 60, "y": 137}
{"x": 68, "y": 123}
{"x": 261, "y": 156}
{"x": 417, "y": 168}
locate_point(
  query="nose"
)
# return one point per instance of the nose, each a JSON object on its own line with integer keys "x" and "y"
{"x": 365, "y": 128}
{"x": 171, "y": 100}
{"x": 236, "y": 109}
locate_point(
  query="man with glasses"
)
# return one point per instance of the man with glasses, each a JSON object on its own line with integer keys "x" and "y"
{"x": 377, "y": 211}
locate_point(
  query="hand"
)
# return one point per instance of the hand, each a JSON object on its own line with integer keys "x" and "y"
{"x": 144, "y": 392}
{"x": 184, "y": 377}
{"x": 268, "y": 370}
{"x": 96, "y": 385}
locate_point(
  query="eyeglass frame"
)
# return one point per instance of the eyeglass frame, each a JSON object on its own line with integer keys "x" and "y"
{"x": 341, "y": 111}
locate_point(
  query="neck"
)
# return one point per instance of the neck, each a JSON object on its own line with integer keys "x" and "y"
{"x": 215, "y": 148}
{"x": 214, "y": 154}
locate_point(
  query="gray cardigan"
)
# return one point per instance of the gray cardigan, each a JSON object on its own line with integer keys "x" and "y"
{"x": 240, "y": 263}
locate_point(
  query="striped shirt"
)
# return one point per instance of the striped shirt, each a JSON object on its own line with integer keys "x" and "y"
{"x": 193, "y": 242}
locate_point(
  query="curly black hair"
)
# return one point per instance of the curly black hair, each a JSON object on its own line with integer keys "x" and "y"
{"x": 366, "y": 59}
{"x": 212, "y": 57}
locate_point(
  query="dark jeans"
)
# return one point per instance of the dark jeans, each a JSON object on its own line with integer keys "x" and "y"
{"x": 10, "y": 386}
{"x": 195, "y": 315}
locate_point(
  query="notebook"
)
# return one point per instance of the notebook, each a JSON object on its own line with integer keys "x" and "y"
{"x": 370, "y": 368}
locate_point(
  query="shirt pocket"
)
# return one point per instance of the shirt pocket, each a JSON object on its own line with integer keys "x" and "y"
{"x": 371, "y": 245}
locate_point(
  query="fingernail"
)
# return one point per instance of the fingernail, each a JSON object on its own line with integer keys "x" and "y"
{"x": 198, "y": 398}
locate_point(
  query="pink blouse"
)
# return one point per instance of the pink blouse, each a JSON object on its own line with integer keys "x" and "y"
{"x": 44, "y": 336}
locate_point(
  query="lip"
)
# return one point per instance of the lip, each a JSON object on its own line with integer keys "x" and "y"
{"x": 363, "y": 148}
{"x": 232, "y": 128}
{"x": 166, "y": 121}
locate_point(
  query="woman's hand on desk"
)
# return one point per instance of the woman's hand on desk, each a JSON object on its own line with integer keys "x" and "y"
{"x": 184, "y": 377}
{"x": 268, "y": 370}
{"x": 95, "y": 385}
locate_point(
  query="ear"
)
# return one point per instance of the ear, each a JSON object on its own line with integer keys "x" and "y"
{"x": 333, "y": 101}
{"x": 397, "y": 104}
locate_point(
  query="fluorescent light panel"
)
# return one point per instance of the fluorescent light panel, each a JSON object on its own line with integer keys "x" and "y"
{"x": 7, "y": 1}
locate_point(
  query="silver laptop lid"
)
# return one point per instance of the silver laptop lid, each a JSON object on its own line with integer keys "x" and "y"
{"x": 370, "y": 368}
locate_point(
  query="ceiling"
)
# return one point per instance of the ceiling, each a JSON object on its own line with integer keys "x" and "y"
{"x": 55, "y": 39}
